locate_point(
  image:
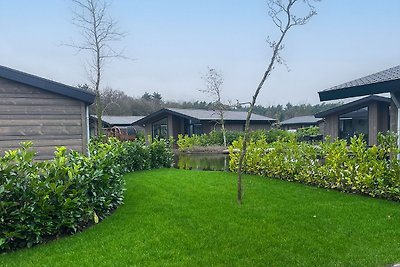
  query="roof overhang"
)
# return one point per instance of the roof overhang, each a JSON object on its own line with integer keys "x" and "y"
{"x": 162, "y": 113}
{"x": 165, "y": 112}
{"x": 47, "y": 85}
{"x": 348, "y": 107}
{"x": 362, "y": 90}
{"x": 302, "y": 123}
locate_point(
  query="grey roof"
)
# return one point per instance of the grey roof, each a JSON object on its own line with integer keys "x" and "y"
{"x": 351, "y": 106}
{"x": 118, "y": 120}
{"x": 47, "y": 85}
{"x": 205, "y": 115}
{"x": 121, "y": 120}
{"x": 380, "y": 82}
{"x": 202, "y": 114}
{"x": 301, "y": 120}
{"x": 359, "y": 113}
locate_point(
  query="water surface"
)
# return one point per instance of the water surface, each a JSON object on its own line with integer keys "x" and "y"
{"x": 202, "y": 161}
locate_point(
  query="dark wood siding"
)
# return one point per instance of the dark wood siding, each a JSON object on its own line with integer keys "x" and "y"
{"x": 47, "y": 119}
{"x": 378, "y": 121}
{"x": 332, "y": 126}
{"x": 393, "y": 116}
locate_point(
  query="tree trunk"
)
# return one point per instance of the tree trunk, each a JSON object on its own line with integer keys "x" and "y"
{"x": 222, "y": 120}
{"x": 99, "y": 114}
{"x": 276, "y": 48}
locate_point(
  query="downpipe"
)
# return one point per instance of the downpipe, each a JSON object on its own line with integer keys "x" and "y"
{"x": 87, "y": 130}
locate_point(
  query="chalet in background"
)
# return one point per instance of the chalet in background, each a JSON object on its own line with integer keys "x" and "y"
{"x": 301, "y": 122}
{"x": 122, "y": 127}
{"x": 367, "y": 116}
{"x": 173, "y": 121}
{"x": 43, "y": 111}
{"x": 370, "y": 115}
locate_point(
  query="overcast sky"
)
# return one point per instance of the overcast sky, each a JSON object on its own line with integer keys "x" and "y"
{"x": 174, "y": 41}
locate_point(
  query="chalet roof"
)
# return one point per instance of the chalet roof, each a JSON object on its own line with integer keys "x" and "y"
{"x": 202, "y": 114}
{"x": 351, "y": 106}
{"x": 121, "y": 120}
{"x": 205, "y": 115}
{"x": 47, "y": 85}
{"x": 381, "y": 82}
{"x": 301, "y": 120}
{"x": 359, "y": 113}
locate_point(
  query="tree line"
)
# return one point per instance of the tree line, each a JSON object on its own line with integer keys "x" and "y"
{"x": 118, "y": 103}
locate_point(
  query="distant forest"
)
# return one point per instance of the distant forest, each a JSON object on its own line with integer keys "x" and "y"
{"x": 117, "y": 103}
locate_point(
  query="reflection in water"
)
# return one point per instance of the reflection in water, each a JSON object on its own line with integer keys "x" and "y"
{"x": 202, "y": 161}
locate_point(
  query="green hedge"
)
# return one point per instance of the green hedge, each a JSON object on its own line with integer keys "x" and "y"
{"x": 43, "y": 200}
{"x": 301, "y": 133}
{"x": 186, "y": 142}
{"x": 355, "y": 168}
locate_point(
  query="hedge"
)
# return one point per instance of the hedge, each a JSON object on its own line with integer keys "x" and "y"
{"x": 355, "y": 168}
{"x": 44, "y": 200}
{"x": 185, "y": 142}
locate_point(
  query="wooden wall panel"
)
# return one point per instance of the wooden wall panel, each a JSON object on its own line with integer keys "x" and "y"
{"x": 177, "y": 126}
{"x": 48, "y": 119}
{"x": 39, "y": 122}
{"x": 372, "y": 123}
{"x": 6, "y": 144}
{"x": 56, "y": 117}
{"x": 30, "y": 101}
{"x": 393, "y": 117}
{"x": 331, "y": 127}
{"x": 39, "y": 130}
{"x": 264, "y": 126}
{"x": 39, "y": 110}
{"x": 40, "y": 137}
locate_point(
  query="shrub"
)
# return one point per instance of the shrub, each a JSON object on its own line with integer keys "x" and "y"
{"x": 186, "y": 143}
{"x": 274, "y": 135}
{"x": 301, "y": 133}
{"x": 160, "y": 152}
{"x": 41, "y": 200}
{"x": 355, "y": 168}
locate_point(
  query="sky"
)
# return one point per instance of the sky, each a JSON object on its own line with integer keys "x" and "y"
{"x": 170, "y": 44}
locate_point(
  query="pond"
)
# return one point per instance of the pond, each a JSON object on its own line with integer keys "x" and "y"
{"x": 202, "y": 161}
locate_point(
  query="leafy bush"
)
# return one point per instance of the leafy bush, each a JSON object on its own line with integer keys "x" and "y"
{"x": 160, "y": 152}
{"x": 186, "y": 143}
{"x": 356, "y": 168}
{"x": 307, "y": 131}
{"x": 41, "y": 200}
{"x": 274, "y": 135}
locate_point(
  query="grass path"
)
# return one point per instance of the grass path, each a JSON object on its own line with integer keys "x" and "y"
{"x": 190, "y": 218}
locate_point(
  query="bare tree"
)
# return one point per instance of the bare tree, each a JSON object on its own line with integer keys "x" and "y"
{"x": 113, "y": 102}
{"x": 282, "y": 15}
{"x": 98, "y": 31}
{"x": 214, "y": 81}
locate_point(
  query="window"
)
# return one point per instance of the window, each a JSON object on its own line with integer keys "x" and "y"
{"x": 191, "y": 128}
{"x": 160, "y": 129}
{"x": 354, "y": 123}
{"x": 197, "y": 129}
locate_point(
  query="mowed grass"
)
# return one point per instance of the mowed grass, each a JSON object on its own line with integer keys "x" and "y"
{"x": 191, "y": 218}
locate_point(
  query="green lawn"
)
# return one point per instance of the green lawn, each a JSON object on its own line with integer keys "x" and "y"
{"x": 191, "y": 218}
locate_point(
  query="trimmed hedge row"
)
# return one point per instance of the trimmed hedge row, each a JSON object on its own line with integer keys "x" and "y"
{"x": 355, "y": 168}
{"x": 186, "y": 142}
{"x": 43, "y": 200}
